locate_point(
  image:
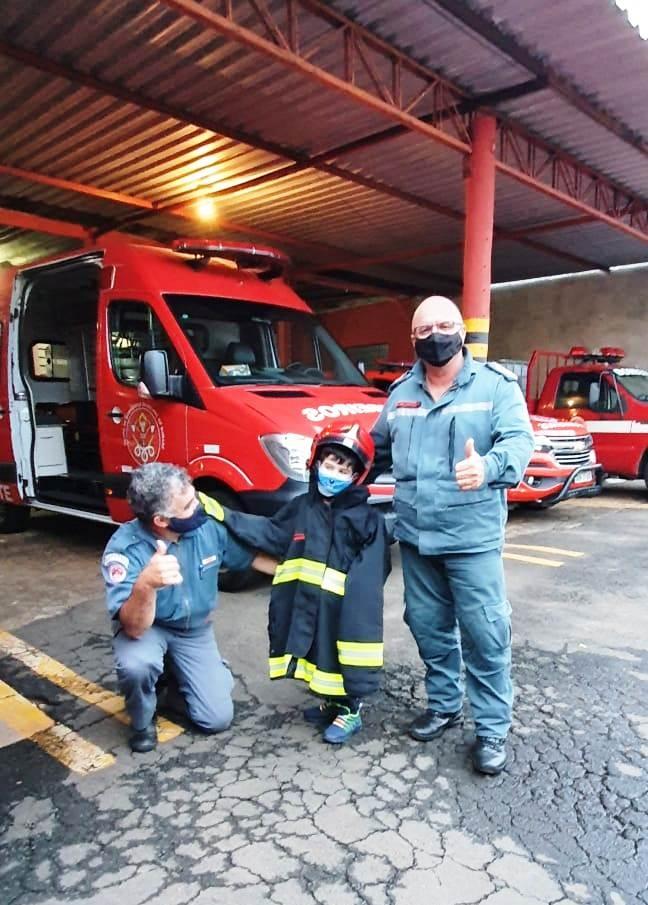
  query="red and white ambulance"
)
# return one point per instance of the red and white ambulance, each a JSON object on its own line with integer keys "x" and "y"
{"x": 563, "y": 464}
{"x": 593, "y": 385}
{"x": 199, "y": 354}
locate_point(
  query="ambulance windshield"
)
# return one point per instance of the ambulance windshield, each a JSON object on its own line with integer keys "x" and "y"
{"x": 246, "y": 343}
{"x": 635, "y": 381}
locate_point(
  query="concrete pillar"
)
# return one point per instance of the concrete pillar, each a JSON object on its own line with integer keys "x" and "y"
{"x": 479, "y": 182}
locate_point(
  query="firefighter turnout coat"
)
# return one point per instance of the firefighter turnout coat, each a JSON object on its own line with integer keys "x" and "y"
{"x": 326, "y": 605}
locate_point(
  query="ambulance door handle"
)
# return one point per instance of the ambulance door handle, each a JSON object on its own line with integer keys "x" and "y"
{"x": 115, "y": 414}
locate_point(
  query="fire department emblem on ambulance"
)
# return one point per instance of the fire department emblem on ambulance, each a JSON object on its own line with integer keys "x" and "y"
{"x": 143, "y": 434}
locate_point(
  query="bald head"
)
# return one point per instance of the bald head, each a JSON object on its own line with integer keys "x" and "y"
{"x": 435, "y": 309}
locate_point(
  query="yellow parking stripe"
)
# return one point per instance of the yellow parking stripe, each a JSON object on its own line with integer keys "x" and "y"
{"x": 534, "y": 560}
{"x": 558, "y": 550}
{"x": 58, "y": 674}
{"x": 27, "y": 721}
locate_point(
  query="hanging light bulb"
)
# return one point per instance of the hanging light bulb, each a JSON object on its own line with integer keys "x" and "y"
{"x": 206, "y": 209}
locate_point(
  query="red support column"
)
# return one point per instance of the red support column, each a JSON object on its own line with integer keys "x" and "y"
{"x": 479, "y": 176}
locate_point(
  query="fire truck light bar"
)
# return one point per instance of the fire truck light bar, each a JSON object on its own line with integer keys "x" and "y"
{"x": 604, "y": 354}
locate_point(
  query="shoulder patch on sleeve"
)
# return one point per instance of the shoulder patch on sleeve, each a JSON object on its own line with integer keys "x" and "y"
{"x": 500, "y": 369}
{"x": 115, "y": 567}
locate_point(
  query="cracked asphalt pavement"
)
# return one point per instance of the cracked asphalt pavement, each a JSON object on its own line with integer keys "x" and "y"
{"x": 266, "y": 813}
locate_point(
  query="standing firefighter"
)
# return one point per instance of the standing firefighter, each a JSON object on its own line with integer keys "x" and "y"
{"x": 326, "y": 606}
{"x": 458, "y": 434}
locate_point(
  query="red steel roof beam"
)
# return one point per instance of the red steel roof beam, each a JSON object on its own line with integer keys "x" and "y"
{"x": 248, "y": 38}
{"x": 230, "y": 29}
{"x": 42, "y": 224}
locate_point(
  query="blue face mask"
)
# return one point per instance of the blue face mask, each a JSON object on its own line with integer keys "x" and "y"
{"x": 182, "y": 525}
{"x": 331, "y": 484}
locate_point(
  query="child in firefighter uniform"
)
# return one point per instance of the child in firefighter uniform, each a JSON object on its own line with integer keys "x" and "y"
{"x": 326, "y": 605}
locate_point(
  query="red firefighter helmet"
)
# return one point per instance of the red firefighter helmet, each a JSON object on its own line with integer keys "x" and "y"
{"x": 351, "y": 437}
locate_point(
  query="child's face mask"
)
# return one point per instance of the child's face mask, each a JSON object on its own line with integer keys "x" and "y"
{"x": 331, "y": 480}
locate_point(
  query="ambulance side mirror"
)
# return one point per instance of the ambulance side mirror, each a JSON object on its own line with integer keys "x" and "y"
{"x": 155, "y": 373}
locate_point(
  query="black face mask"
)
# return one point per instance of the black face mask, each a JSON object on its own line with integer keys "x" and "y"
{"x": 438, "y": 348}
{"x": 182, "y": 525}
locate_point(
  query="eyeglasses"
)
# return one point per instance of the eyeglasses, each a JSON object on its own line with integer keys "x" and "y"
{"x": 424, "y": 330}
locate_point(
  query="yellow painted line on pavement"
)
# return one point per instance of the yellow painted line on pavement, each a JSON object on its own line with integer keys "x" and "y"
{"x": 534, "y": 560}
{"x": 539, "y": 549}
{"x": 69, "y": 748}
{"x": 61, "y": 675}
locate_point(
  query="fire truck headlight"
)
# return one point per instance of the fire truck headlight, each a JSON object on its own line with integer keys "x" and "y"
{"x": 542, "y": 444}
{"x": 289, "y": 452}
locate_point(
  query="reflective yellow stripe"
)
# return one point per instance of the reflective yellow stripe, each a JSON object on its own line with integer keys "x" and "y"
{"x": 304, "y": 670}
{"x": 211, "y": 506}
{"x": 300, "y": 570}
{"x": 329, "y": 683}
{"x": 359, "y": 653}
{"x": 333, "y": 581}
{"x": 311, "y": 572}
{"x": 278, "y": 666}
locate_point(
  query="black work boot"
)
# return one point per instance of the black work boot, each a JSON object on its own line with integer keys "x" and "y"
{"x": 432, "y": 724}
{"x": 489, "y": 755}
{"x": 145, "y": 739}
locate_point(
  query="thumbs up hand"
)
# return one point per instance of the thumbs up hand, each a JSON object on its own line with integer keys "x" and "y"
{"x": 471, "y": 471}
{"x": 163, "y": 569}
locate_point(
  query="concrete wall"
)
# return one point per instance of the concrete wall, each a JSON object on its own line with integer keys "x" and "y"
{"x": 590, "y": 310}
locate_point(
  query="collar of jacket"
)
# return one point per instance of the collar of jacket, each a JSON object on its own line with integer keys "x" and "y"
{"x": 463, "y": 377}
{"x": 352, "y": 496}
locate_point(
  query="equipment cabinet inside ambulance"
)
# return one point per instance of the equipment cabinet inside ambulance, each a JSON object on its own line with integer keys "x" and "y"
{"x": 199, "y": 354}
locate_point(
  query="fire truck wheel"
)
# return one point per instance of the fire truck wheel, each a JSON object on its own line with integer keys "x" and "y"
{"x": 644, "y": 473}
{"x": 13, "y": 519}
{"x": 228, "y": 581}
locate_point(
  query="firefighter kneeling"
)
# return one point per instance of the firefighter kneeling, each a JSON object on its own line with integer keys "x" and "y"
{"x": 326, "y": 605}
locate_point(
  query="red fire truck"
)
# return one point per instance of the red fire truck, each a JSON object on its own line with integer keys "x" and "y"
{"x": 200, "y": 354}
{"x": 563, "y": 464}
{"x": 610, "y": 398}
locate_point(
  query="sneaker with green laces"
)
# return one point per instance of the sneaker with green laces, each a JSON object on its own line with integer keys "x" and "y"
{"x": 345, "y": 724}
{"x": 321, "y": 714}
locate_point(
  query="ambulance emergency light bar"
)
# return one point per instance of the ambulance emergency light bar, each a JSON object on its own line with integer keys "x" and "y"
{"x": 267, "y": 263}
{"x": 609, "y": 354}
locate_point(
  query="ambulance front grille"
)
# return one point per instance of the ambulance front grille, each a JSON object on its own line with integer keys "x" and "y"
{"x": 570, "y": 451}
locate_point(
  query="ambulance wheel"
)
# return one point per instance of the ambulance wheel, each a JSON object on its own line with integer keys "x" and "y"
{"x": 228, "y": 581}
{"x": 13, "y": 519}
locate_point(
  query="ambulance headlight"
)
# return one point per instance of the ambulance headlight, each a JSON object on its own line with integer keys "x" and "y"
{"x": 542, "y": 444}
{"x": 289, "y": 452}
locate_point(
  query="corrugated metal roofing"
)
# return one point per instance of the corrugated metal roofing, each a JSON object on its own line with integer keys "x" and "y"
{"x": 148, "y": 103}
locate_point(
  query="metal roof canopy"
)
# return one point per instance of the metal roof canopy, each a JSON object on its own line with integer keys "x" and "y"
{"x": 335, "y": 131}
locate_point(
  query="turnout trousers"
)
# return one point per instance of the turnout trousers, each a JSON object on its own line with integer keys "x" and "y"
{"x": 204, "y": 680}
{"x": 456, "y": 606}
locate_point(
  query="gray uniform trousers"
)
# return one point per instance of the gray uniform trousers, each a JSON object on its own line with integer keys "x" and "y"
{"x": 204, "y": 680}
{"x": 456, "y": 605}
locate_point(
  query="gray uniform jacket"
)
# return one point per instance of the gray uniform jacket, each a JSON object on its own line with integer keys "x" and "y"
{"x": 424, "y": 440}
